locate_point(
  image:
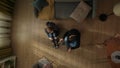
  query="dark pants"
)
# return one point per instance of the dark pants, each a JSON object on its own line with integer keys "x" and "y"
{"x": 36, "y": 12}
{"x": 55, "y": 42}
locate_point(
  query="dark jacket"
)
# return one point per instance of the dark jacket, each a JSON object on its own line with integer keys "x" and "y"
{"x": 53, "y": 34}
{"x": 54, "y": 26}
{"x": 76, "y": 39}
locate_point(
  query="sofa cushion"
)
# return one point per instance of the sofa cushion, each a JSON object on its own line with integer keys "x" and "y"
{"x": 81, "y": 11}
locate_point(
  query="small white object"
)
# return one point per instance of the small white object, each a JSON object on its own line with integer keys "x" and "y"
{"x": 115, "y": 56}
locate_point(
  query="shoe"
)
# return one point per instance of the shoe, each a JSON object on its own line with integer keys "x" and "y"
{"x": 56, "y": 47}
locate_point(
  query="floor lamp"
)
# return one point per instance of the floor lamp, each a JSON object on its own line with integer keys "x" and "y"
{"x": 116, "y": 11}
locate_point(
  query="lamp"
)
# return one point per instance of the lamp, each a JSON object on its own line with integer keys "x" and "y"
{"x": 116, "y": 11}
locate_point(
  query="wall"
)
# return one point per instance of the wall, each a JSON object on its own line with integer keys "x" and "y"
{"x": 6, "y": 10}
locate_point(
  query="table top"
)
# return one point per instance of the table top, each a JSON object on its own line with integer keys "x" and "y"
{"x": 112, "y": 45}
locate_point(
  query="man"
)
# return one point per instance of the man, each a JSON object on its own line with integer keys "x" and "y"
{"x": 71, "y": 39}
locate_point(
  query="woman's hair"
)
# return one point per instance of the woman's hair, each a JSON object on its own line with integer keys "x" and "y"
{"x": 50, "y": 24}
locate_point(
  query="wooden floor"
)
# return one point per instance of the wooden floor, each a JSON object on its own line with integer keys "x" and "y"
{"x": 30, "y": 42}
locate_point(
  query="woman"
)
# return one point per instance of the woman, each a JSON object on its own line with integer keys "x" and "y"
{"x": 52, "y": 31}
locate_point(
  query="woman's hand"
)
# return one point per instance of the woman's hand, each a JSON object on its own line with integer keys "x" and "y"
{"x": 60, "y": 40}
{"x": 50, "y": 38}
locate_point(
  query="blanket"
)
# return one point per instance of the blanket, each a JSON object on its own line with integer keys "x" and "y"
{"x": 47, "y": 13}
